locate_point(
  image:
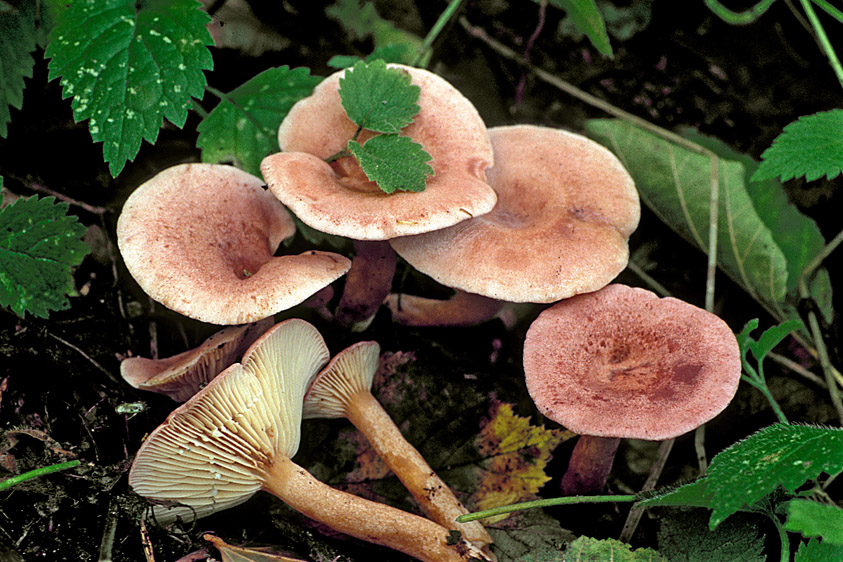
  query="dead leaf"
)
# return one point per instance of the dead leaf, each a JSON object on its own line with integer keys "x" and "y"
{"x": 232, "y": 553}
{"x": 515, "y": 454}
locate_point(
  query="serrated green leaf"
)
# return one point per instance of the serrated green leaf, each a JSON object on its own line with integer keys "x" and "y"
{"x": 816, "y": 551}
{"x": 693, "y": 494}
{"x": 811, "y": 146}
{"x": 378, "y": 98}
{"x": 393, "y": 162}
{"x": 814, "y": 519}
{"x": 128, "y": 65}
{"x": 779, "y": 455}
{"x": 589, "y": 21}
{"x": 17, "y": 41}
{"x": 586, "y": 549}
{"x": 675, "y": 183}
{"x": 685, "y": 537}
{"x": 243, "y": 127}
{"x": 39, "y": 243}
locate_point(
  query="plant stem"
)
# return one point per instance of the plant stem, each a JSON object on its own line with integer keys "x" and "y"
{"x": 785, "y": 542}
{"x": 823, "y": 39}
{"x": 822, "y": 254}
{"x": 830, "y": 10}
{"x": 9, "y": 482}
{"x": 437, "y": 28}
{"x": 738, "y": 18}
{"x": 565, "y": 500}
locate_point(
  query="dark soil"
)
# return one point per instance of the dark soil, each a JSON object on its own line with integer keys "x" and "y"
{"x": 60, "y": 390}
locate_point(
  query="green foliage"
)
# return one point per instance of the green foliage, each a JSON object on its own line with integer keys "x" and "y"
{"x": 243, "y": 127}
{"x": 585, "y": 549}
{"x": 816, "y": 551}
{"x": 759, "y": 349}
{"x": 779, "y": 455}
{"x": 393, "y": 162}
{"x": 128, "y": 65}
{"x": 811, "y": 146}
{"x": 814, "y": 519}
{"x": 686, "y": 538}
{"x": 797, "y": 236}
{"x": 377, "y": 98}
{"x": 39, "y": 243}
{"x": 589, "y": 21}
{"x": 383, "y": 100}
{"x": 362, "y": 21}
{"x": 763, "y": 242}
{"x": 17, "y": 41}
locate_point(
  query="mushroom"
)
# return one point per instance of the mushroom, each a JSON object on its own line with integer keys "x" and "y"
{"x": 566, "y": 208}
{"x": 339, "y": 199}
{"x": 237, "y": 435}
{"x": 183, "y": 375}
{"x": 200, "y": 238}
{"x": 623, "y": 363}
{"x": 343, "y": 390}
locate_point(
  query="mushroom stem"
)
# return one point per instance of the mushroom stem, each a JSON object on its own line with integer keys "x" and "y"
{"x": 433, "y": 494}
{"x": 362, "y": 518}
{"x": 462, "y": 309}
{"x": 367, "y": 283}
{"x": 590, "y": 464}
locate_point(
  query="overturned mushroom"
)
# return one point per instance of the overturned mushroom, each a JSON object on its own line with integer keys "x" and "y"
{"x": 183, "y": 375}
{"x": 623, "y": 363}
{"x": 200, "y": 238}
{"x": 339, "y": 199}
{"x": 236, "y": 437}
{"x": 566, "y": 207}
{"x": 343, "y": 390}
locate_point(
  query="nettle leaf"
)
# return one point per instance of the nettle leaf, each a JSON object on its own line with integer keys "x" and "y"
{"x": 393, "y": 162}
{"x": 814, "y": 519}
{"x": 693, "y": 494}
{"x": 378, "y": 98}
{"x": 675, "y": 183}
{"x": 685, "y": 537}
{"x": 816, "y": 551}
{"x": 589, "y": 21}
{"x": 586, "y": 549}
{"x": 779, "y": 455}
{"x": 17, "y": 41}
{"x": 811, "y": 146}
{"x": 39, "y": 243}
{"x": 128, "y": 65}
{"x": 243, "y": 127}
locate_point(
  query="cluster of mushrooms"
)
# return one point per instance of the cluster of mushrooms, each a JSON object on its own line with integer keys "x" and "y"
{"x": 511, "y": 215}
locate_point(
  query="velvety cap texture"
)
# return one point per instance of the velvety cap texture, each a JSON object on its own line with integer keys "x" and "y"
{"x": 339, "y": 199}
{"x": 566, "y": 207}
{"x": 200, "y": 239}
{"x": 622, "y": 362}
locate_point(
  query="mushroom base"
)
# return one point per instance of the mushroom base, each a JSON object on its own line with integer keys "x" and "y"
{"x": 590, "y": 464}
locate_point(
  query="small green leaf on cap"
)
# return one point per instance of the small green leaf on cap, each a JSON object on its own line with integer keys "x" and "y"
{"x": 393, "y": 162}
{"x": 378, "y": 98}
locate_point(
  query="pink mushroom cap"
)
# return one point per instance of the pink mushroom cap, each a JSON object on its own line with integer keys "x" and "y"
{"x": 622, "y": 362}
{"x": 339, "y": 199}
{"x": 566, "y": 208}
